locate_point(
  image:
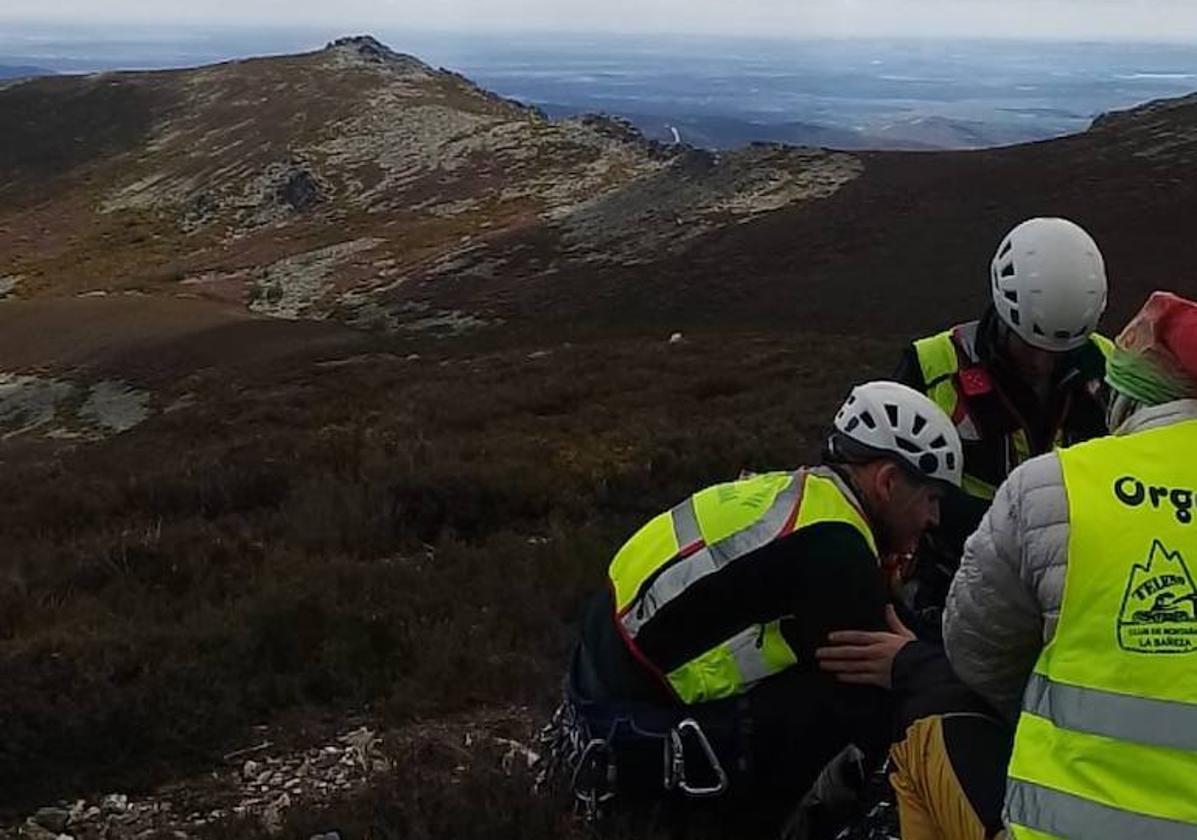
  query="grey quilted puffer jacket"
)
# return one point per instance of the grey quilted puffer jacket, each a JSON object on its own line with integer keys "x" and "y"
{"x": 1005, "y": 599}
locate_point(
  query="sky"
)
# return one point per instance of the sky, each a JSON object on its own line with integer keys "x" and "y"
{"x": 1164, "y": 20}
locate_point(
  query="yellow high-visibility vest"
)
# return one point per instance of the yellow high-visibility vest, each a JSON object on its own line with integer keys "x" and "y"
{"x": 940, "y": 361}
{"x": 716, "y": 527}
{"x": 1106, "y": 745}
{"x": 941, "y": 358}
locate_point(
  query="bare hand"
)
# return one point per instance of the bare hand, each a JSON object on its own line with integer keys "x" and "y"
{"x": 863, "y": 657}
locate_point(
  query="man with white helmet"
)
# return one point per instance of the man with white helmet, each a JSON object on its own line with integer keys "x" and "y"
{"x": 695, "y": 673}
{"x": 1020, "y": 381}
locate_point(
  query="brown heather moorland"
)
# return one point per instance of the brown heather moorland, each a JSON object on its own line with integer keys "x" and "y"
{"x": 329, "y": 384}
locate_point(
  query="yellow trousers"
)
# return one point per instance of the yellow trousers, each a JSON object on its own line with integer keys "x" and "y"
{"x": 932, "y": 804}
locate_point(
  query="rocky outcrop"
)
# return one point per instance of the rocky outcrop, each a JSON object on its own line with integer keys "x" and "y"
{"x": 368, "y": 49}
{"x": 260, "y": 783}
{"x": 299, "y": 191}
{"x": 250, "y": 186}
{"x": 68, "y": 410}
{"x": 1131, "y": 117}
{"x": 700, "y": 192}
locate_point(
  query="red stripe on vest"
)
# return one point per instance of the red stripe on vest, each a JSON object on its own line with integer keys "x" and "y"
{"x": 638, "y": 655}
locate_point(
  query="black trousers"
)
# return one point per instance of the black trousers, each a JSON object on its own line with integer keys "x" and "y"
{"x": 772, "y": 741}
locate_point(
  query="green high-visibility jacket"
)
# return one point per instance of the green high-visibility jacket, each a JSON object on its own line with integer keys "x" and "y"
{"x": 712, "y": 531}
{"x": 1106, "y": 745}
{"x": 951, "y": 368}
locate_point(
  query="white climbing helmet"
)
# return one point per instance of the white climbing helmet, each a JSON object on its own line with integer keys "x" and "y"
{"x": 891, "y": 419}
{"x": 1049, "y": 283}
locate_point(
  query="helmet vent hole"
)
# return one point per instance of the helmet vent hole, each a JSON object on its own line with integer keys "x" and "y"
{"x": 1008, "y": 270}
{"x": 920, "y": 423}
{"x": 903, "y": 443}
{"x": 928, "y": 463}
{"x": 1081, "y": 332}
{"x": 891, "y": 411}
{"x": 1038, "y": 330}
{"x": 950, "y": 459}
{"x": 853, "y": 424}
{"x": 938, "y": 443}
{"x": 868, "y": 420}
{"x": 1005, "y": 249}
{"x": 1062, "y": 334}
{"x": 1011, "y": 296}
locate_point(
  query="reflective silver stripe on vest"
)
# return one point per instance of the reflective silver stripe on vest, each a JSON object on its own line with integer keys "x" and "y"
{"x": 686, "y": 572}
{"x": 685, "y": 524}
{"x": 1064, "y": 815}
{"x": 749, "y": 652}
{"x": 668, "y": 585}
{"x": 1159, "y": 723}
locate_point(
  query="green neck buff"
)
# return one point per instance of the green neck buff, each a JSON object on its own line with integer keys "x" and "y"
{"x": 1146, "y": 379}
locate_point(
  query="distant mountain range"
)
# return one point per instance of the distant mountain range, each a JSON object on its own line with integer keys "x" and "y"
{"x": 721, "y": 92}
{"x": 719, "y": 132}
{"x": 8, "y": 71}
{"x": 371, "y": 188}
{"x": 911, "y": 134}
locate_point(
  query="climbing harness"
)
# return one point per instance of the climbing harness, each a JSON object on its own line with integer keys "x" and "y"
{"x": 573, "y": 753}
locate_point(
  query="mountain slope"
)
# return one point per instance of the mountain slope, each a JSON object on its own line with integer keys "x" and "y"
{"x": 320, "y": 184}
{"x": 220, "y": 515}
{"x": 363, "y": 185}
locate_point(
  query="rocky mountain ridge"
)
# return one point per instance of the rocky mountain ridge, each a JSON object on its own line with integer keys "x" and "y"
{"x": 342, "y": 182}
{"x": 358, "y": 184}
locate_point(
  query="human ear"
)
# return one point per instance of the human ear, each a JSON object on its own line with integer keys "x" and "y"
{"x": 886, "y": 480}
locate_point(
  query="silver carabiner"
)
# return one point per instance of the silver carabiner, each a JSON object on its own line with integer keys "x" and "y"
{"x": 676, "y": 766}
{"x": 598, "y": 789}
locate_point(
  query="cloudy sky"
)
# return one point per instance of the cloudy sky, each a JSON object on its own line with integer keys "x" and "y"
{"x": 1100, "y": 19}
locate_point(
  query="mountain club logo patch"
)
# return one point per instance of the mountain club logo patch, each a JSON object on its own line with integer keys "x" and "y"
{"x": 1159, "y": 609}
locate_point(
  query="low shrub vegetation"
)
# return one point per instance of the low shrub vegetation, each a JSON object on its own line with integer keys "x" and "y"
{"x": 408, "y": 537}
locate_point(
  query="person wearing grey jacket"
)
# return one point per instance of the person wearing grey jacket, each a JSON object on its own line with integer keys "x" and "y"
{"x": 1004, "y": 602}
{"x": 1105, "y": 744}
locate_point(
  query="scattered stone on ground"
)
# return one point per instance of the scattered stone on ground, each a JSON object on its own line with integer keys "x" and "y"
{"x": 265, "y": 786}
{"x": 115, "y": 407}
{"x": 52, "y": 819}
{"x": 8, "y": 284}
{"x": 68, "y": 410}
{"x": 294, "y": 287}
{"x": 29, "y": 403}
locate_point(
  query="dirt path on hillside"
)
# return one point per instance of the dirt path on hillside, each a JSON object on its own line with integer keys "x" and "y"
{"x": 152, "y": 339}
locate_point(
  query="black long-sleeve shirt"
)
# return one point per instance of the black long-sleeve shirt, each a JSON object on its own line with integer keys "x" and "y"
{"x": 819, "y": 579}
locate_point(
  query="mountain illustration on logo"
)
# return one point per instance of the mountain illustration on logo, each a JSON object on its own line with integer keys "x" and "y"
{"x": 1159, "y": 609}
